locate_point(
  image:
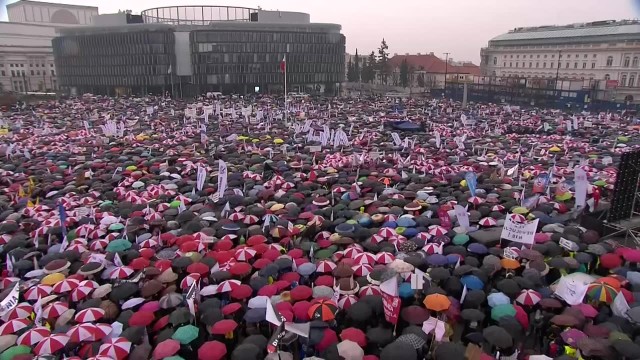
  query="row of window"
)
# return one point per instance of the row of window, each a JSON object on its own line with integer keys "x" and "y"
{"x": 139, "y": 43}
{"x": 23, "y": 86}
{"x": 268, "y": 48}
{"x": 267, "y": 37}
{"x": 108, "y": 61}
{"x": 551, "y": 65}
{"x": 626, "y": 62}
{"x": 560, "y": 55}
{"x": 223, "y": 79}
{"x": 114, "y": 70}
{"x": 114, "y": 81}
{"x": 268, "y": 68}
{"x": 266, "y": 59}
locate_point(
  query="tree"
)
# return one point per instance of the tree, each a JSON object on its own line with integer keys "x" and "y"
{"x": 350, "y": 71}
{"x": 368, "y": 70}
{"x": 356, "y": 66}
{"x": 383, "y": 61}
{"x": 404, "y": 73}
{"x": 420, "y": 80}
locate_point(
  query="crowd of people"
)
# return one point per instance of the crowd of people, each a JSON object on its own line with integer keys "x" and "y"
{"x": 345, "y": 228}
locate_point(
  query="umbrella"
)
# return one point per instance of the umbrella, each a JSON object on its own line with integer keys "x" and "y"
{"x": 496, "y": 299}
{"x": 223, "y": 326}
{"x": 165, "y": 349}
{"x": 212, "y": 350}
{"x": 350, "y": 350}
{"x": 503, "y": 310}
{"x": 51, "y": 344}
{"x": 115, "y": 348}
{"x": 602, "y": 292}
{"x": 497, "y": 336}
{"x": 437, "y": 302}
{"x": 185, "y": 334}
{"x": 33, "y": 336}
{"x": 528, "y": 297}
{"x": 413, "y": 340}
{"x": 323, "y": 310}
{"x": 14, "y": 326}
{"x": 89, "y": 315}
{"x": 572, "y": 336}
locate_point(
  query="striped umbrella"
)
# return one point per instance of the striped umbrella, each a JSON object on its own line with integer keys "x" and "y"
{"x": 323, "y": 310}
{"x": 84, "y": 332}
{"x": 116, "y": 348}
{"x": 488, "y": 222}
{"x": 33, "y": 336}
{"x": 384, "y": 258}
{"x": 369, "y": 290}
{"x": 89, "y": 315}
{"x": 325, "y": 266}
{"x": 51, "y": 344}
{"x": 362, "y": 269}
{"x": 21, "y": 311}
{"x": 602, "y": 292}
{"x": 437, "y": 230}
{"x": 54, "y": 310}
{"x": 13, "y": 326}
{"x": 528, "y": 297}
{"x": 38, "y": 291}
{"x": 345, "y": 301}
{"x": 365, "y": 258}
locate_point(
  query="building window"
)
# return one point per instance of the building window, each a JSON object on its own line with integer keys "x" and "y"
{"x": 584, "y": 65}
{"x": 516, "y": 64}
{"x": 635, "y": 61}
{"x": 595, "y": 56}
{"x": 623, "y": 80}
{"x": 32, "y": 72}
{"x": 544, "y": 64}
{"x": 607, "y": 77}
{"x": 552, "y": 65}
{"x": 537, "y": 64}
{"x": 511, "y": 56}
{"x": 21, "y": 65}
{"x": 11, "y": 65}
{"x": 575, "y": 65}
{"x": 530, "y": 56}
{"x": 517, "y": 56}
{"x": 567, "y": 66}
{"x": 53, "y": 73}
{"x": 610, "y": 61}
{"x": 3, "y": 73}
{"x": 13, "y": 73}
{"x": 495, "y": 61}
{"x": 632, "y": 80}
{"x": 545, "y": 56}
{"x": 593, "y": 65}
{"x": 504, "y": 64}
{"x": 585, "y": 56}
{"x": 510, "y": 64}
{"x": 627, "y": 61}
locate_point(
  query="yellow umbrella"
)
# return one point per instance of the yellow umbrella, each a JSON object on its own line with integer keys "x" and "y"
{"x": 520, "y": 210}
{"x": 132, "y": 168}
{"x": 278, "y": 141}
{"x": 554, "y": 148}
{"x": 255, "y": 140}
{"x": 52, "y": 279}
{"x": 243, "y": 138}
{"x": 277, "y": 207}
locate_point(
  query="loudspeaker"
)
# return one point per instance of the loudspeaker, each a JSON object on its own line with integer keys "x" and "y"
{"x": 625, "y": 188}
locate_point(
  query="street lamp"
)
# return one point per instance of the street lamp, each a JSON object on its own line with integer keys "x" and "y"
{"x": 446, "y": 70}
{"x": 558, "y": 68}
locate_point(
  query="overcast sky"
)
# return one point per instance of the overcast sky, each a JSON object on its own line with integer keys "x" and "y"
{"x": 460, "y": 27}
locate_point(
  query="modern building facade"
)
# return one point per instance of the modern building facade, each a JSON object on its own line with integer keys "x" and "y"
{"x": 600, "y": 56}
{"x": 190, "y": 50}
{"x": 26, "y": 55}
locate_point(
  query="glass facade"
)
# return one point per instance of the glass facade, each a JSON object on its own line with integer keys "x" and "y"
{"x": 239, "y": 61}
{"x": 106, "y": 63}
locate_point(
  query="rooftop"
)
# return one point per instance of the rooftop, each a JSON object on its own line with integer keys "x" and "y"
{"x": 598, "y": 28}
{"x": 44, "y": 3}
{"x": 433, "y": 64}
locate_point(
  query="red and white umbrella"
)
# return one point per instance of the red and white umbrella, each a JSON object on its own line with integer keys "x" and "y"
{"x": 345, "y": 302}
{"x": 98, "y": 245}
{"x": 386, "y": 232}
{"x": 369, "y": 290}
{"x": 189, "y": 280}
{"x": 487, "y": 222}
{"x": 121, "y": 272}
{"x": 518, "y": 218}
{"x": 89, "y": 315}
{"x": 424, "y": 236}
{"x": 498, "y": 208}
{"x": 21, "y": 311}
{"x": 325, "y": 266}
{"x": 384, "y": 257}
{"x": 13, "y": 326}
{"x": 51, "y": 344}
{"x": 250, "y": 220}
{"x": 365, "y": 258}
{"x": 33, "y": 336}
{"x": 103, "y": 329}
{"x": 65, "y": 286}
{"x": 228, "y": 285}
{"x": 362, "y": 269}
{"x": 236, "y": 216}
{"x": 432, "y": 248}
{"x": 437, "y": 230}
{"x": 38, "y": 291}
{"x": 54, "y": 310}
{"x": 377, "y": 238}
{"x": 117, "y": 348}
{"x": 84, "y": 332}
{"x": 528, "y": 297}
{"x": 475, "y": 200}
{"x": 245, "y": 254}
{"x": 352, "y": 252}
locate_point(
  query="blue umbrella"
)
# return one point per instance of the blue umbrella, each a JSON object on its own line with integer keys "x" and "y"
{"x": 255, "y": 315}
{"x": 499, "y": 298}
{"x": 410, "y": 232}
{"x": 453, "y": 258}
{"x": 405, "y": 291}
{"x": 390, "y": 224}
{"x": 306, "y": 269}
{"x": 406, "y": 222}
{"x": 477, "y": 248}
{"x": 472, "y": 282}
{"x": 345, "y": 228}
{"x": 437, "y": 260}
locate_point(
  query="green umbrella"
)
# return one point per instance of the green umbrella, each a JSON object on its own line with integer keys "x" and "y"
{"x": 623, "y": 139}
{"x": 185, "y": 334}
{"x": 175, "y": 204}
{"x": 174, "y": 357}
{"x": 14, "y": 351}
{"x": 323, "y": 254}
{"x": 501, "y": 311}
{"x": 106, "y": 202}
{"x": 461, "y": 239}
{"x": 116, "y": 227}
{"x": 118, "y": 245}
{"x": 600, "y": 183}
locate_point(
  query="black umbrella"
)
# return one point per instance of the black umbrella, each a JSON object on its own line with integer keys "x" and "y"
{"x": 246, "y": 352}
{"x": 360, "y": 311}
{"x": 509, "y": 287}
{"x": 472, "y": 315}
{"x": 475, "y": 337}
{"x": 498, "y": 337}
{"x": 399, "y": 350}
{"x": 413, "y": 340}
{"x": 380, "y": 336}
{"x": 449, "y": 351}
{"x": 123, "y": 292}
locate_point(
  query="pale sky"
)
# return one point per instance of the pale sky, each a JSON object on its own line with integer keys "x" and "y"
{"x": 460, "y": 27}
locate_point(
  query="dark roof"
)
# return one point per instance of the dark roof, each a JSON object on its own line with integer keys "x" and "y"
{"x": 433, "y": 64}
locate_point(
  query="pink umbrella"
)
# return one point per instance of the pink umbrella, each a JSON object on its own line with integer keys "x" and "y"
{"x": 228, "y": 285}
{"x": 33, "y": 336}
{"x": 117, "y": 348}
{"x": 386, "y": 232}
{"x": 498, "y": 208}
{"x": 236, "y": 216}
{"x": 352, "y": 252}
{"x": 587, "y": 310}
{"x": 424, "y": 236}
{"x": 475, "y": 200}
{"x": 377, "y": 238}
{"x": 528, "y": 297}
{"x": 250, "y": 219}
{"x": 13, "y": 326}
{"x": 89, "y": 315}
{"x": 51, "y": 344}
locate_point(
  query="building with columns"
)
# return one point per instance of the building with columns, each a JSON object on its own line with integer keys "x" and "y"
{"x": 26, "y": 53}
{"x": 602, "y": 56}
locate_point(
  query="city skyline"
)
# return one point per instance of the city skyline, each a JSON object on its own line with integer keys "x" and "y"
{"x": 459, "y": 27}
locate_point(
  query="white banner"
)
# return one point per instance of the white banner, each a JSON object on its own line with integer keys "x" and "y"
{"x": 581, "y": 184}
{"x": 462, "y": 216}
{"x": 571, "y": 291}
{"x": 222, "y": 178}
{"x": 522, "y": 233}
{"x": 11, "y": 301}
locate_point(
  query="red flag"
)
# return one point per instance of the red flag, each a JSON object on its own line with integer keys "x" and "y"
{"x": 391, "y": 305}
{"x": 283, "y": 64}
{"x": 313, "y": 176}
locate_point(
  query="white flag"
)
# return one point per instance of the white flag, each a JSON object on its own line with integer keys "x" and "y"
{"x": 222, "y": 178}
{"x": 417, "y": 279}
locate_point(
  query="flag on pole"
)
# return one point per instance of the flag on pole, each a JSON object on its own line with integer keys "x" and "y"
{"x": 283, "y": 64}
{"x": 170, "y": 69}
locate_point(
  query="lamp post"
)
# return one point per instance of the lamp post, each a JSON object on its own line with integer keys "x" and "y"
{"x": 446, "y": 70}
{"x": 558, "y": 68}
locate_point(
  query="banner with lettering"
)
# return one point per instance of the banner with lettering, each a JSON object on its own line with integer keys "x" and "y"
{"x": 391, "y": 305}
{"x": 519, "y": 232}
{"x": 445, "y": 220}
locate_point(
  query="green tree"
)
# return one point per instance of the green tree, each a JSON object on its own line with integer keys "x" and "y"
{"x": 420, "y": 80}
{"x": 356, "y": 66}
{"x": 369, "y": 71}
{"x": 404, "y": 73}
{"x": 383, "y": 61}
{"x": 350, "y": 71}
